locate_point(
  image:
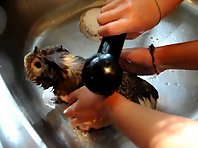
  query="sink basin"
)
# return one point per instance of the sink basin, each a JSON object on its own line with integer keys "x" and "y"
{"x": 37, "y": 23}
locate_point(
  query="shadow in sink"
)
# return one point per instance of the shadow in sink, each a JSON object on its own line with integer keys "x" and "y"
{"x": 59, "y": 25}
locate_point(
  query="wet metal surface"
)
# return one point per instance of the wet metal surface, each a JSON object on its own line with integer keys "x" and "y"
{"x": 16, "y": 130}
{"x": 28, "y": 23}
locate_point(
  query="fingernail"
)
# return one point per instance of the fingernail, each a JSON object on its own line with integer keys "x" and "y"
{"x": 65, "y": 111}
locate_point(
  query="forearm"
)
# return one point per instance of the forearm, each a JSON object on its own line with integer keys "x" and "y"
{"x": 150, "y": 128}
{"x": 167, "y": 6}
{"x": 133, "y": 120}
{"x": 177, "y": 56}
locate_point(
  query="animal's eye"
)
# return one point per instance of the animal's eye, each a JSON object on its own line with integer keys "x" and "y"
{"x": 37, "y": 64}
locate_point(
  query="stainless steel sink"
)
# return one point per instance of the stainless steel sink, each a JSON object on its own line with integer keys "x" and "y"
{"x": 30, "y": 23}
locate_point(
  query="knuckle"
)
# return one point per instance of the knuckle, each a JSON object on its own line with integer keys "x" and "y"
{"x": 128, "y": 4}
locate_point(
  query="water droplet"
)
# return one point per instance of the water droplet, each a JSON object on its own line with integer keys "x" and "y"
{"x": 167, "y": 83}
{"x": 176, "y": 84}
{"x": 154, "y": 77}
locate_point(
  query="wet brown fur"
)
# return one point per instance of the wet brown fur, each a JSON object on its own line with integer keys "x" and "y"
{"x": 56, "y": 67}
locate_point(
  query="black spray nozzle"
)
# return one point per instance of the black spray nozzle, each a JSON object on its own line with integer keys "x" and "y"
{"x": 102, "y": 73}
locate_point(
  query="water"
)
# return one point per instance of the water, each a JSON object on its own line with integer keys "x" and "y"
{"x": 167, "y": 83}
{"x": 177, "y": 84}
{"x": 47, "y": 98}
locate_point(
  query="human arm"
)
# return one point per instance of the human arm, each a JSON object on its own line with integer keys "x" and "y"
{"x": 86, "y": 110}
{"x": 145, "y": 127}
{"x": 151, "y": 128}
{"x": 133, "y": 16}
{"x": 178, "y": 56}
{"x": 175, "y": 56}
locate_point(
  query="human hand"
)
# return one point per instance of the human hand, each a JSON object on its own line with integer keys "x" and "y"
{"x": 87, "y": 110}
{"x": 128, "y": 16}
{"x": 138, "y": 60}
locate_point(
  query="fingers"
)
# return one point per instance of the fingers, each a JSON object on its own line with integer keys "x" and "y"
{"x": 72, "y": 97}
{"x": 84, "y": 120}
{"x": 74, "y": 122}
{"x": 133, "y": 35}
{"x": 111, "y": 4}
{"x": 111, "y": 12}
{"x": 85, "y": 126}
{"x": 108, "y": 16}
{"x": 70, "y": 112}
{"x": 73, "y": 111}
{"x": 124, "y": 16}
{"x": 112, "y": 28}
{"x": 89, "y": 119}
{"x": 65, "y": 98}
{"x": 108, "y": 1}
{"x": 86, "y": 109}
